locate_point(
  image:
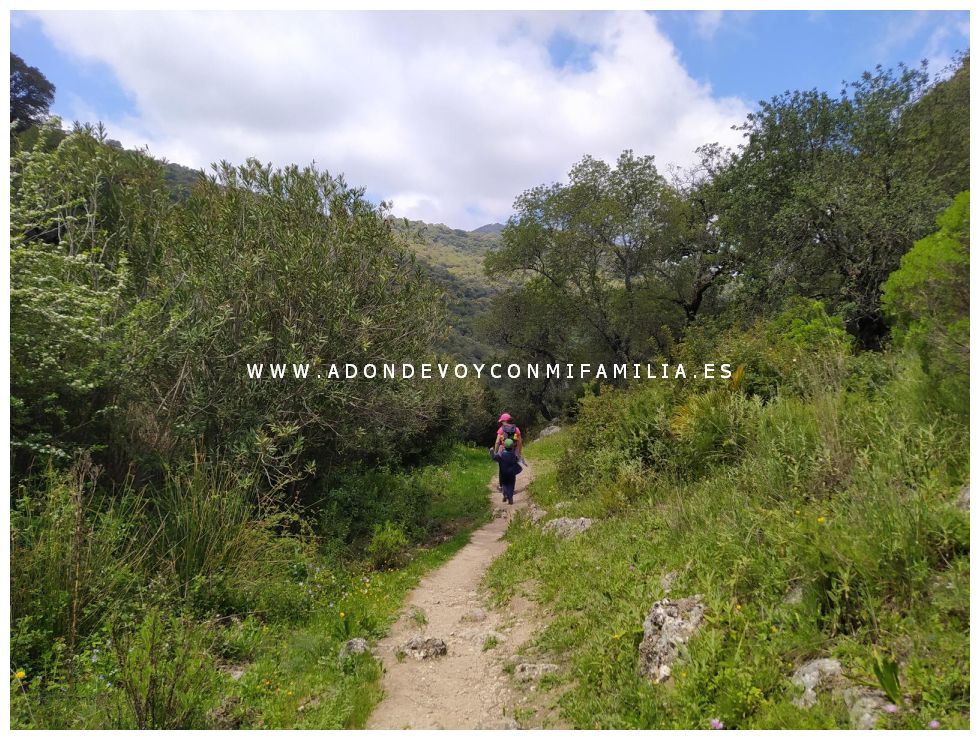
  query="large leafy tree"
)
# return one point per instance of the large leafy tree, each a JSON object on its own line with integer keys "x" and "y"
{"x": 288, "y": 265}
{"x": 600, "y": 242}
{"x": 84, "y": 221}
{"x": 31, "y": 94}
{"x": 824, "y": 197}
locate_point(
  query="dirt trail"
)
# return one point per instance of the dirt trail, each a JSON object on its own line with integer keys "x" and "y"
{"x": 466, "y": 688}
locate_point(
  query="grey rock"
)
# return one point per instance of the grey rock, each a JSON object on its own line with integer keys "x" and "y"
{"x": 536, "y": 513}
{"x": 865, "y": 705}
{"x": 566, "y": 527}
{"x": 963, "y": 500}
{"x": 525, "y": 672}
{"x": 814, "y": 676}
{"x": 548, "y": 431}
{"x": 424, "y": 648}
{"x": 666, "y": 630}
{"x": 356, "y": 646}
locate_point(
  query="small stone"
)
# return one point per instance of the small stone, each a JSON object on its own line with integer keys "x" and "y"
{"x": 667, "y": 628}
{"x": 525, "y": 672}
{"x": 566, "y": 527}
{"x": 474, "y": 615}
{"x": 813, "y": 676}
{"x": 424, "y": 648}
{"x": 356, "y": 646}
{"x": 232, "y": 714}
{"x": 667, "y": 580}
{"x": 865, "y": 705}
{"x": 311, "y": 703}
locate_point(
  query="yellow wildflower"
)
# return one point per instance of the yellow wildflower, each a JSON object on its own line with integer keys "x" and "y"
{"x": 821, "y": 519}
{"x": 21, "y": 675}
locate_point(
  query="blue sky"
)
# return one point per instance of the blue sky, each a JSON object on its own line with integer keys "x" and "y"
{"x": 488, "y": 105}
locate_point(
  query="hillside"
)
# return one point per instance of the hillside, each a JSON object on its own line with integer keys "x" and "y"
{"x": 454, "y": 259}
{"x": 458, "y": 252}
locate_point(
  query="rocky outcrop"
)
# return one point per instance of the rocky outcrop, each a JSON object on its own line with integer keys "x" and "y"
{"x": 825, "y": 675}
{"x": 356, "y": 646}
{"x": 424, "y": 648}
{"x": 815, "y": 676}
{"x": 549, "y": 430}
{"x": 666, "y": 630}
{"x": 566, "y": 527}
{"x": 865, "y": 705}
{"x": 536, "y": 513}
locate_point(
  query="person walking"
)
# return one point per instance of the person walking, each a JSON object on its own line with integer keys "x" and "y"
{"x": 509, "y": 430}
{"x": 508, "y": 468}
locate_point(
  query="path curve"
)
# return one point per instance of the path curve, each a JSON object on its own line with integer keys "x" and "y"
{"x": 467, "y": 688}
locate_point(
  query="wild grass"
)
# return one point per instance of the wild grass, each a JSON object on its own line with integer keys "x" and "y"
{"x": 193, "y": 608}
{"x": 845, "y": 497}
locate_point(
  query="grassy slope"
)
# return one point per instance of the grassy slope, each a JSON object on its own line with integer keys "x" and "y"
{"x": 300, "y": 667}
{"x": 742, "y": 537}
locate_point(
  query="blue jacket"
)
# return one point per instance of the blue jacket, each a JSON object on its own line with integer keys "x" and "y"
{"x": 509, "y": 467}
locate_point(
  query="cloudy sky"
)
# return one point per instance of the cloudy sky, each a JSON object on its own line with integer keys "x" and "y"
{"x": 451, "y": 115}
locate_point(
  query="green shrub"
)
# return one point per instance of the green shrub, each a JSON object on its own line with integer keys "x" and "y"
{"x": 713, "y": 428}
{"x": 222, "y": 553}
{"x": 387, "y": 547}
{"x": 159, "y": 674}
{"x": 928, "y": 299}
{"x": 74, "y": 558}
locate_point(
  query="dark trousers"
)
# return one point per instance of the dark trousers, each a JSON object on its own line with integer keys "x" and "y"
{"x": 508, "y": 490}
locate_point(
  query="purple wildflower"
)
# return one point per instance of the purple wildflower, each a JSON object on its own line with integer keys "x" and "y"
{"x": 890, "y": 708}
{"x": 716, "y": 724}
{"x": 934, "y": 724}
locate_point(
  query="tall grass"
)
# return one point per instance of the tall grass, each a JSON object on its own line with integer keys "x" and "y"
{"x": 839, "y": 489}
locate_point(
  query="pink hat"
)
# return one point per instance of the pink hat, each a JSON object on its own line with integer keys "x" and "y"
{"x": 504, "y": 417}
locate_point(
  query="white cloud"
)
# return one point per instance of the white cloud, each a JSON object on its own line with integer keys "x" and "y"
{"x": 450, "y": 115}
{"x": 708, "y": 22}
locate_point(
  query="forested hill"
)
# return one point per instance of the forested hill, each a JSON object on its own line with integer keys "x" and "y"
{"x": 454, "y": 259}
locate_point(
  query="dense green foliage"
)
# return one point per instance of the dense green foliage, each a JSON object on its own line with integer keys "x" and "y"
{"x": 161, "y": 496}
{"x": 175, "y": 522}
{"x": 31, "y": 94}
{"x": 929, "y": 297}
{"x": 812, "y": 504}
{"x": 821, "y": 200}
